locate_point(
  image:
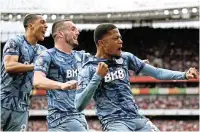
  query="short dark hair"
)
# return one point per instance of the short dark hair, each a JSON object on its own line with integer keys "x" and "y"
{"x": 29, "y": 18}
{"x": 58, "y": 25}
{"x": 101, "y": 30}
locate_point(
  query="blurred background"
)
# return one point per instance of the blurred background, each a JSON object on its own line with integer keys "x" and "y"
{"x": 166, "y": 32}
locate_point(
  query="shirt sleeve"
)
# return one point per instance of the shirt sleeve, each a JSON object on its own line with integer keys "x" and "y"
{"x": 135, "y": 64}
{"x": 42, "y": 63}
{"x": 11, "y": 47}
{"x": 163, "y": 74}
{"x": 88, "y": 82}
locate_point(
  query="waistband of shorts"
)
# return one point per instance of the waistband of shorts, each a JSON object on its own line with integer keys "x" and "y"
{"x": 105, "y": 120}
{"x": 15, "y": 109}
{"x": 55, "y": 119}
{"x": 63, "y": 113}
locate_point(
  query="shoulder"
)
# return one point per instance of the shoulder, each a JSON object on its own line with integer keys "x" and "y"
{"x": 46, "y": 53}
{"x": 87, "y": 70}
{"x": 44, "y": 57}
{"x": 128, "y": 55}
{"x": 16, "y": 40}
{"x": 41, "y": 47}
{"x": 90, "y": 65}
{"x": 81, "y": 55}
{"x": 51, "y": 51}
{"x": 125, "y": 56}
{"x": 13, "y": 45}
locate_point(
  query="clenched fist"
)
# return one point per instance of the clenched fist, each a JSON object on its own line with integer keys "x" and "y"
{"x": 102, "y": 69}
{"x": 69, "y": 85}
{"x": 192, "y": 73}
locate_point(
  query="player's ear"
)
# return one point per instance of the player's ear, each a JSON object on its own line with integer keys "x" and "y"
{"x": 60, "y": 34}
{"x": 101, "y": 43}
{"x": 30, "y": 26}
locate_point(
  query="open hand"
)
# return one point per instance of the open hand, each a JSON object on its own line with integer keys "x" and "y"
{"x": 192, "y": 73}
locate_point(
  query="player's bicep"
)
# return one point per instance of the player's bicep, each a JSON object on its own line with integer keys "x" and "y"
{"x": 39, "y": 74}
{"x": 38, "y": 77}
{"x": 10, "y": 60}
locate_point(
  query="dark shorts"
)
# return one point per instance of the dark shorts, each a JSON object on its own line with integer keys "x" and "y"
{"x": 68, "y": 123}
{"x": 139, "y": 125}
{"x": 14, "y": 120}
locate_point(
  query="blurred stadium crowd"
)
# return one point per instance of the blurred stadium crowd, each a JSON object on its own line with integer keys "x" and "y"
{"x": 143, "y": 101}
{"x": 163, "y": 125}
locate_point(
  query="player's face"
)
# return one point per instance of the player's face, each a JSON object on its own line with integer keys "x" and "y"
{"x": 113, "y": 43}
{"x": 71, "y": 34}
{"x": 39, "y": 28}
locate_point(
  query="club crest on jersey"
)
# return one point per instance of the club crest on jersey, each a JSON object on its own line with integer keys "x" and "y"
{"x": 39, "y": 51}
{"x": 12, "y": 46}
{"x": 119, "y": 61}
{"x": 39, "y": 61}
{"x": 117, "y": 74}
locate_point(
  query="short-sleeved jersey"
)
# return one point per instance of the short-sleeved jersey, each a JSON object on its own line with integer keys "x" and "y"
{"x": 113, "y": 96}
{"x": 16, "y": 88}
{"x": 61, "y": 67}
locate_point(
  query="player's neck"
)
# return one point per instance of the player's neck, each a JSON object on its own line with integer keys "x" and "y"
{"x": 101, "y": 54}
{"x": 30, "y": 38}
{"x": 64, "y": 47}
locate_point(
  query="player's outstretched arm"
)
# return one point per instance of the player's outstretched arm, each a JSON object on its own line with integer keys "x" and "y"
{"x": 139, "y": 65}
{"x": 41, "y": 82}
{"x": 88, "y": 87}
{"x": 165, "y": 74}
{"x": 13, "y": 66}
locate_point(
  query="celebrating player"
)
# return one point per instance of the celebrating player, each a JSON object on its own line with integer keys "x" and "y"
{"x": 105, "y": 78}
{"x": 56, "y": 71}
{"x": 19, "y": 54}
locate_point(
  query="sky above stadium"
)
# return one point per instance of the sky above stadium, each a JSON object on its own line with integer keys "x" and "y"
{"x": 90, "y": 6}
